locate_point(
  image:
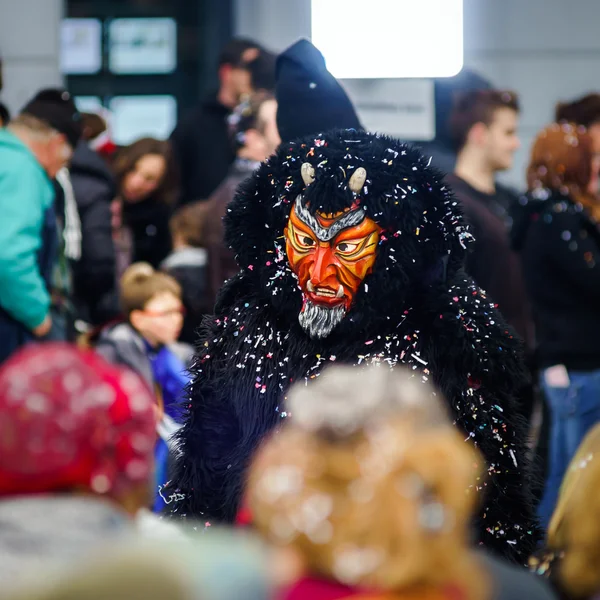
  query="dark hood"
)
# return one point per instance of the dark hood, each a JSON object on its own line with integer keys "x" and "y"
{"x": 310, "y": 100}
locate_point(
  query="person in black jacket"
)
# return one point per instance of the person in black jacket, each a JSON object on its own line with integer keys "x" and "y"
{"x": 94, "y": 275}
{"x": 556, "y": 229}
{"x": 201, "y": 140}
{"x": 146, "y": 177}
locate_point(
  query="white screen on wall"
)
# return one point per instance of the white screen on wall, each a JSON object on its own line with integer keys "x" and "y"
{"x": 133, "y": 117}
{"x": 80, "y": 46}
{"x": 88, "y": 104}
{"x": 381, "y": 39}
{"x": 142, "y": 46}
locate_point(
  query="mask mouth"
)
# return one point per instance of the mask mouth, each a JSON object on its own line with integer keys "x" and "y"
{"x": 325, "y": 292}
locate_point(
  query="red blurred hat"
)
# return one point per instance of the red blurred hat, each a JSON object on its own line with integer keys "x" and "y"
{"x": 69, "y": 419}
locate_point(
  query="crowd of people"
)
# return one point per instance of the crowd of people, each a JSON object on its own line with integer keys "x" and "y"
{"x": 166, "y": 310}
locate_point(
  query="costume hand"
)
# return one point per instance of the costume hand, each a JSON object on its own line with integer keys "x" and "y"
{"x": 44, "y": 327}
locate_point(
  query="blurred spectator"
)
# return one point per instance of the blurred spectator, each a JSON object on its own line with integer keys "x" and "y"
{"x": 221, "y": 566}
{"x": 366, "y": 485}
{"x": 76, "y": 440}
{"x": 556, "y": 230}
{"x": 262, "y": 72}
{"x": 152, "y": 304}
{"x": 93, "y": 125}
{"x": 583, "y": 111}
{"x": 483, "y": 127}
{"x": 94, "y": 274}
{"x": 4, "y": 115}
{"x": 572, "y": 551}
{"x": 187, "y": 264}
{"x": 145, "y": 343}
{"x": 309, "y": 98}
{"x": 34, "y": 147}
{"x": 201, "y": 140}
{"x": 146, "y": 178}
{"x": 254, "y": 137}
{"x": 442, "y": 148}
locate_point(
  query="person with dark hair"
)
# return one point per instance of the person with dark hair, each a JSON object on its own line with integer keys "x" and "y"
{"x": 442, "y": 148}
{"x": 583, "y": 111}
{"x": 254, "y": 137}
{"x": 483, "y": 128}
{"x": 147, "y": 186}
{"x": 557, "y": 231}
{"x": 201, "y": 139}
{"x": 262, "y": 72}
{"x": 34, "y": 147}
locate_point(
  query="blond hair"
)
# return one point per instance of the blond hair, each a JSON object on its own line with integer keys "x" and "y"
{"x": 371, "y": 485}
{"x": 575, "y": 525}
{"x": 141, "y": 283}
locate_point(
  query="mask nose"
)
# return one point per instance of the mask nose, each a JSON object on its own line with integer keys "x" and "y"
{"x": 323, "y": 266}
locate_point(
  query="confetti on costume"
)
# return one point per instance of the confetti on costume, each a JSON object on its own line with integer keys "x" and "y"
{"x": 307, "y": 295}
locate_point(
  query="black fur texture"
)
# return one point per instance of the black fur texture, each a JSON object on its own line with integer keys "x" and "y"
{"x": 417, "y": 308}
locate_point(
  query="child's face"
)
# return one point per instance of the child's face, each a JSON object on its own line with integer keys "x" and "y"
{"x": 161, "y": 320}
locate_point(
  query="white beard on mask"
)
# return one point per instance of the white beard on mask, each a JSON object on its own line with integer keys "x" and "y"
{"x": 318, "y": 320}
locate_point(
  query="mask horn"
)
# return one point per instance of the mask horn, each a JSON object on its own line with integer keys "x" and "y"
{"x": 357, "y": 180}
{"x": 308, "y": 173}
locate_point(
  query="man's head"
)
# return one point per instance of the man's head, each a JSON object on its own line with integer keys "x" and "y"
{"x": 485, "y": 122}
{"x": 234, "y": 76}
{"x": 152, "y": 302}
{"x": 51, "y": 126}
{"x": 254, "y": 127}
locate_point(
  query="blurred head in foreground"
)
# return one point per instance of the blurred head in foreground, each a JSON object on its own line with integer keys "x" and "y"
{"x": 72, "y": 423}
{"x": 370, "y": 485}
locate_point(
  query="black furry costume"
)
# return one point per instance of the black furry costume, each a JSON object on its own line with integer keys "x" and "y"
{"x": 417, "y": 308}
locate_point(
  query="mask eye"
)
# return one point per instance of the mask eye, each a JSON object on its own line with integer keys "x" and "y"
{"x": 305, "y": 241}
{"x": 346, "y": 247}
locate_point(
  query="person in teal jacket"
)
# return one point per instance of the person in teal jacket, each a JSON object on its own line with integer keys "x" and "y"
{"x": 33, "y": 148}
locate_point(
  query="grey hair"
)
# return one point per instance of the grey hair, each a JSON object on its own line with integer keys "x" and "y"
{"x": 35, "y": 128}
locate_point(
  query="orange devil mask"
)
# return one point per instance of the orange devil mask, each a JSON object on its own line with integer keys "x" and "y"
{"x": 331, "y": 255}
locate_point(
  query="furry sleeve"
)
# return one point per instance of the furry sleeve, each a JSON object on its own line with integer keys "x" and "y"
{"x": 481, "y": 374}
{"x": 222, "y": 422}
